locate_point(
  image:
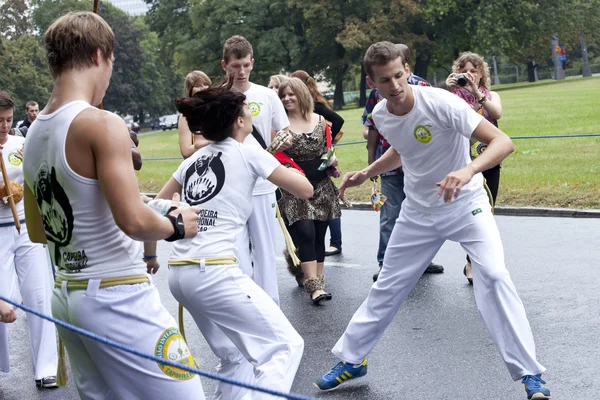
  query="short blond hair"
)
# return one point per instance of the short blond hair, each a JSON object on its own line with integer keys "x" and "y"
{"x": 193, "y": 80}
{"x": 305, "y": 100}
{"x": 278, "y": 78}
{"x": 73, "y": 39}
{"x": 479, "y": 64}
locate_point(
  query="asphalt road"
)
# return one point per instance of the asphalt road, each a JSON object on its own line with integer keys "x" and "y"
{"x": 436, "y": 347}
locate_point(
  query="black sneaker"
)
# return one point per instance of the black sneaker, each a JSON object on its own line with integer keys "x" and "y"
{"x": 434, "y": 269}
{"x": 376, "y": 275}
{"x": 47, "y": 382}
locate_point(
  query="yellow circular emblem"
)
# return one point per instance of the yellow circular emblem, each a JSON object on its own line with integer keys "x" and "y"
{"x": 254, "y": 108}
{"x": 422, "y": 133}
{"x": 172, "y": 347}
{"x": 14, "y": 159}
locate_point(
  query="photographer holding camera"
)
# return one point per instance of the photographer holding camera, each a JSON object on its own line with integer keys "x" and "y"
{"x": 470, "y": 80}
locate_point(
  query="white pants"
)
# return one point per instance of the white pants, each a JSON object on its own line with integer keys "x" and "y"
{"x": 134, "y": 316}
{"x": 262, "y": 227}
{"x": 27, "y": 261}
{"x": 243, "y": 326}
{"x": 415, "y": 240}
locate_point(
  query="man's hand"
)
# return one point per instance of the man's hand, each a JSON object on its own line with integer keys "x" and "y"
{"x": 453, "y": 182}
{"x": 355, "y": 178}
{"x": 287, "y": 144}
{"x": 189, "y": 215}
{"x": 7, "y": 313}
{"x": 152, "y": 266}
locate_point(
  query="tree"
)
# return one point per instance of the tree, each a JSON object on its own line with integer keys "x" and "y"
{"x": 14, "y": 19}
{"x": 137, "y": 86}
{"x": 24, "y": 71}
{"x": 152, "y": 94}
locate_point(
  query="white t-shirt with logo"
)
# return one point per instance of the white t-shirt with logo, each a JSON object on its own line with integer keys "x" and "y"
{"x": 432, "y": 140}
{"x": 14, "y": 169}
{"x": 219, "y": 179}
{"x": 267, "y": 113}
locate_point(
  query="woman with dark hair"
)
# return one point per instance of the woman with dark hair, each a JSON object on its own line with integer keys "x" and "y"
{"x": 474, "y": 88}
{"x": 308, "y": 218}
{"x": 245, "y": 328}
{"x": 190, "y": 141}
{"x": 321, "y": 107}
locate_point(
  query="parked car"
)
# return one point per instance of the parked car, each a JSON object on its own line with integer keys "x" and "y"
{"x": 169, "y": 122}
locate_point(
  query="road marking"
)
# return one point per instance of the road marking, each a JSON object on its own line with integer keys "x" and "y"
{"x": 329, "y": 264}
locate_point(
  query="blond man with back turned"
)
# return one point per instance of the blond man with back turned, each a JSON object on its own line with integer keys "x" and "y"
{"x": 82, "y": 195}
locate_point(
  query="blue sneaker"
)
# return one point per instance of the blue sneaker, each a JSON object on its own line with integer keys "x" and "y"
{"x": 534, "y": 386}
{"x": 341, "y": 373}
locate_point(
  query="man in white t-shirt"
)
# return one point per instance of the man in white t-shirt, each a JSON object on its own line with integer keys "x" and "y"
{"x": 23, "y": 261}
{"x": 268, "y": 117}
{"x": 429, "y": 131}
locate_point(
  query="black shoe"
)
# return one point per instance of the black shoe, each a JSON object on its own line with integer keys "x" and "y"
{"x": 375, "y": 276}
{"x": 47, "y": 382}
{"x": 434, "y": 269}
{"x": 331, "y": 251}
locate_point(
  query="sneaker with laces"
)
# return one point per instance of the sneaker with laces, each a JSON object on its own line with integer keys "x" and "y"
{"x": 341, "y": 373}
{"x": 534, "y": 386}
{"x": 47, "y": 382}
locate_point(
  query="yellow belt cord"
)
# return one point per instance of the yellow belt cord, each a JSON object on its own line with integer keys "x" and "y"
{"x": 289, "y": 243}
{"x": 62, "y": 375}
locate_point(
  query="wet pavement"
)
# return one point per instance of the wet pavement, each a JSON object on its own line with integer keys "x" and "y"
{"x": 436, "y": 347}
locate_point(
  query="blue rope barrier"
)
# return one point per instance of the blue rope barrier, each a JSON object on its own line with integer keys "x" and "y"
{"x": 364, "y": 141}
{"x": 154, "y": 358}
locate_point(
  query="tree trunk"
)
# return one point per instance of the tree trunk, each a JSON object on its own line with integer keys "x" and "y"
{"x": 362, "y": 100}
{"x": 531, "y": 71}
{"x": 141, "y": 116}
{"x": 338, "y": 95}
{"x": 421, "y": 66}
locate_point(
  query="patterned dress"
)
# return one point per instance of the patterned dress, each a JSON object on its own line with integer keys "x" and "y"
{"x": 324, "y": 205}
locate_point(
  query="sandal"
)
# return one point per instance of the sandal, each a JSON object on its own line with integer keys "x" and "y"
{"x": 315, "y": 284}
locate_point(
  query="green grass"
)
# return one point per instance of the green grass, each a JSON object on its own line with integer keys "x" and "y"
{"x": 541, "y": 172}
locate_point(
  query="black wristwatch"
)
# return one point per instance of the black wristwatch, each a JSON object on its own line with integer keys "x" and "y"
{"x": 178, "y": 226}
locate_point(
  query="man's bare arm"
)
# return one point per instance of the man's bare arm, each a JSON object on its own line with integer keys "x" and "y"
{"x": 372, "y": 143}
{"x": 112, "y": 151}
{"x": 389, "y": 161}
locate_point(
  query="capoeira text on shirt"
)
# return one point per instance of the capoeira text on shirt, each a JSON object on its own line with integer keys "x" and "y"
{"x": 207, "y": 218}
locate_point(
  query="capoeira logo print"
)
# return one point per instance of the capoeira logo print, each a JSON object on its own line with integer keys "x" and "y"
{"x": 204, "y": 179}
{"x": 254, "y": 108}
{"x": 422, "y": 133}
{"x": 172, "y": 347}
{"x": 55, "y": 209}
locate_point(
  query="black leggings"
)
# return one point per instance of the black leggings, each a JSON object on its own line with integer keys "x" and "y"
{"x": 492, "y": 180}
{"x": 309, "y": 238}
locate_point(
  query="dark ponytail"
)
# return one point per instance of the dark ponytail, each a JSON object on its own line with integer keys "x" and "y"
{"x": 213, "y": 110}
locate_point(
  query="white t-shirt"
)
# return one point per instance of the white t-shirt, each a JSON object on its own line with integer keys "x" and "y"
{"x": 219, "y": 179}
{"x": 433, "y": 140}
{"x": 267, "y": 113}
{"x": 14, "y": 169}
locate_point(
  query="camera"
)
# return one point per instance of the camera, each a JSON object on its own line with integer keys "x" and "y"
{"x": 461, "y": 79}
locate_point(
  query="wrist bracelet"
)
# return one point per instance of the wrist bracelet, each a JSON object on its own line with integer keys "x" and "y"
{"x": 178, "y": 228}
{"x": 148, "y": 258}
